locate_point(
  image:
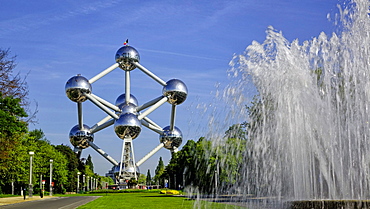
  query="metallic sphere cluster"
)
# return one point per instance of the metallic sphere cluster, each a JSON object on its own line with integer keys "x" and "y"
{"x": 125, "y": 115}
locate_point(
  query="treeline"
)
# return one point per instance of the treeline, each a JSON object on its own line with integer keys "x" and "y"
{"x": 16, "y": 142}
{"x": 206, "y": 166}
{"x": 227, "y": 164}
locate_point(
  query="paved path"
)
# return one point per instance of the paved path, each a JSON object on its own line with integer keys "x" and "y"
{"x": 46, "y": 202}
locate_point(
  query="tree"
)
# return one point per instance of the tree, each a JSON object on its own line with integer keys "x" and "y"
{"x": 13, "y": 84}
{"x": 141, "y": 179}
{"x": 44, "y": 151}
{"x": 192, "y": 165}
{"x": 11, "y": 125}
{"x": 12, "y": 129}
{"x": 104, "y": 182}
{"x": 159, "y": 170}
{"x": 72, "y": 165}
{"x": 148, "y": 178}
{"x": 90, "y": 163}
{"x": 132, "y": 183}
{"x": 198, "y": 163}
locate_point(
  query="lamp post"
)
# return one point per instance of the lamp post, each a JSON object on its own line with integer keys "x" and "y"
{"x": 51, "y": 178}
{"x": 95, "y": 183}
{"x": 78, "y": 182}
{"x": 88, "y": 184}
{"x": 83, "y": 182}
{"x": 30, "y": 188}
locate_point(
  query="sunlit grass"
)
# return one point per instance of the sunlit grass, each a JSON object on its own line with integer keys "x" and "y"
{"x": 8, "y": 195}
{"x": 149, "y": 201}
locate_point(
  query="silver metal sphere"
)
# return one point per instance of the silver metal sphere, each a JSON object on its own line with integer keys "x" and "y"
{"x": 127, "y": 125}
{"x": 171, "y": 139}
{"x": 125, "y": 56}
{"x": 76, "y": 86}
{"x": 177, "y": 91}
{"x": 122, "y": 99}
{"x": 79, "y": 138}
{"x": 127, "y": 108}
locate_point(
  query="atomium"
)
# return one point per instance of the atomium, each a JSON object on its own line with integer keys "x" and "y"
{"x": 126, "y": 116}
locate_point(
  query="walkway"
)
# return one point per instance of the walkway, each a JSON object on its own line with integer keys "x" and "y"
{"x": 47, "y": 202}
{"x": 12, "y": 200}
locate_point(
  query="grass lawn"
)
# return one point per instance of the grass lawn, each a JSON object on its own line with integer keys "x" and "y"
{"x": 149, "y": 201}
{"x": 8, "y": 195}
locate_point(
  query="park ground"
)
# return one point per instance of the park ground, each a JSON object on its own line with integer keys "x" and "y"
{"x": 134, "y": 200}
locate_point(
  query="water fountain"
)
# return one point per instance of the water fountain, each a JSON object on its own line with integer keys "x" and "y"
{"x": 311, "y": 135}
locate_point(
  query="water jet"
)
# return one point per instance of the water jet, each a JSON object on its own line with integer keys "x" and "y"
{"x": 308, "y": 139}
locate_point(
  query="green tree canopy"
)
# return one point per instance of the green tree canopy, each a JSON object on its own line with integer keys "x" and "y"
{"x": 148, "y": 178}
{"x": 72, "y": 165}
{"x": 12, "y": 130}
{"x": 159, "y": 170}
{"x": 90, "y": 163}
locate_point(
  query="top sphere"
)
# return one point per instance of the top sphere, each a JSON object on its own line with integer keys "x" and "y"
{"x": 125, "y": 56}
{"x": 76, "y": 87}
{"x": 177, "y": 91}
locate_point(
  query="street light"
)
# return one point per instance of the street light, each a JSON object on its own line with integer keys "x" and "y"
{"x": 95, "y": 183}
{"x": 51, "y": 178}
{"x": 83, "y": 180}
{"x": 30, "y": 188}
{"x": 88, "y": 184}
{"x": 78, "y": 182}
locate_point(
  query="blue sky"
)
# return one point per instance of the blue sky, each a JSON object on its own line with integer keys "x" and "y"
{"x": 190, "y": 40}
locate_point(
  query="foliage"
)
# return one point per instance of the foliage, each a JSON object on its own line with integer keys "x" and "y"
{"x": 19, "y": 163}
{"x": 132, "y": 183}
{"x": 141, "y": 179}
{"x": 159, "y": 170}
{"x": 206, "y": 166}
{"x": 16, "y": 141}
{"x": 104, "y": 181}
{"x": 13, "y": 85}
{"x": 72, "y": 165}
{"x": 44, "y": 152}
{"x": 90, "y": 163}
{"x": 12, "y": 129}
{"x": 148, "y": 178}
